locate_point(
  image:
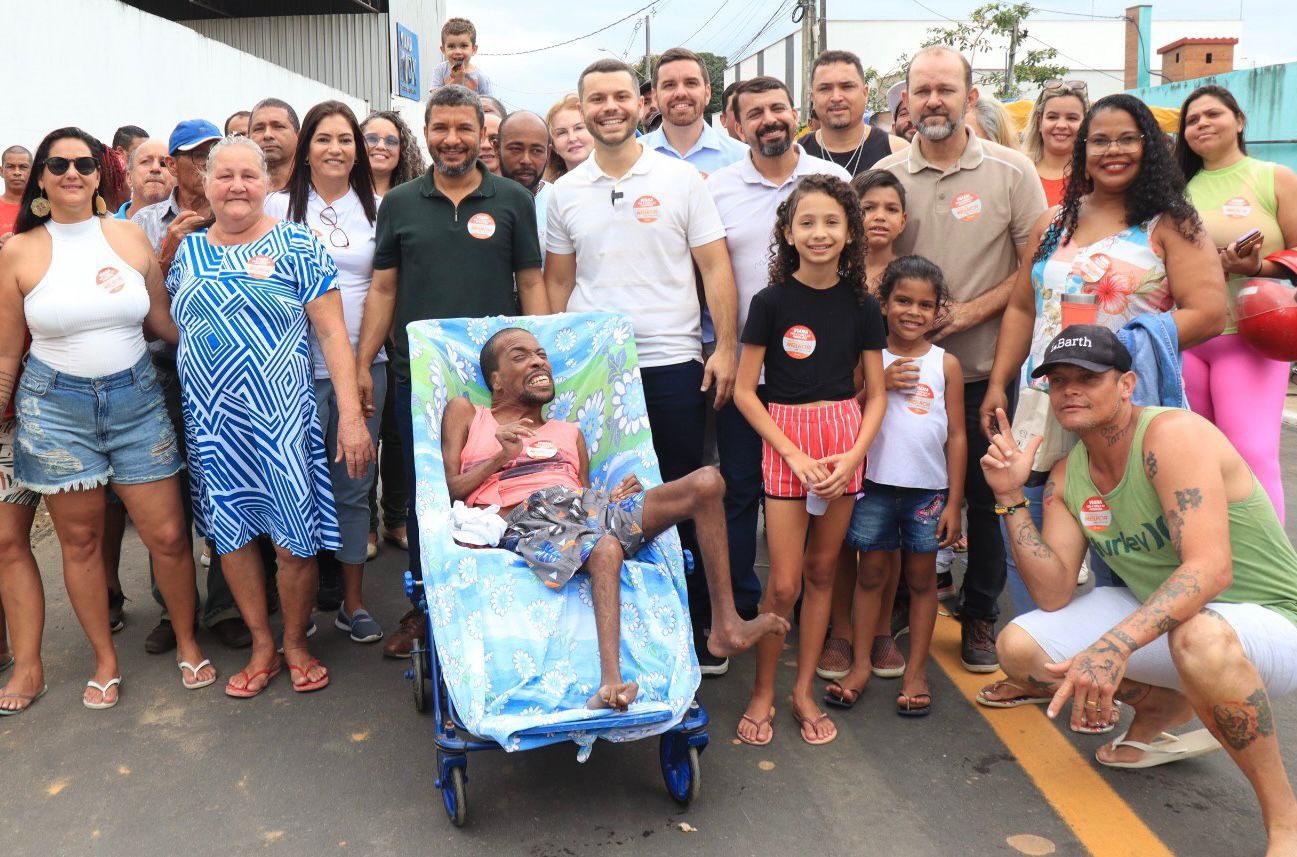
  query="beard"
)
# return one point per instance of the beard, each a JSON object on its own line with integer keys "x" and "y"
{"x": 597, "y": 133}
{"x": 529, "y": 396}
{"x": 935, "y": 133}
{"x": 527, "y": 178}
{"x": 455, "y": 170}
{"x": 774, "y": 148}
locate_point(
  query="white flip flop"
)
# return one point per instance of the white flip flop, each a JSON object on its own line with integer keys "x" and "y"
{"x": 103, "y": 693}
{"x": 185, "y": 666}
{"x": 1167, "y": 748}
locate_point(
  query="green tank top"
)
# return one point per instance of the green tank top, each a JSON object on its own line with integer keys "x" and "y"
{"x": 1127, "y": 528}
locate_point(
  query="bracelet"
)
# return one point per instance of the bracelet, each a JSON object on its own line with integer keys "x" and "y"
{"x": 1260, "y": 266}
{"x": 1009, "y": 510}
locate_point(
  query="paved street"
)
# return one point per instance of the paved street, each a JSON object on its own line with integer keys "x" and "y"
{"x": 350, "y": 770}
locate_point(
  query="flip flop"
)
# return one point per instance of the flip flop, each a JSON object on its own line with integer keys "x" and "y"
{"x": 308, "y": 686}
{"x": 840, "y": 700}
{"x": 30, "y": 697}
{"x": 185, "y": 666}
{"x": 103, "y": 692}
{"x": 768, "y": 720}
{"x": 906, "y": 708}
{"x": 249, "y": 678}
{"x": 1023, "y": 698}
{"x": 803, "y": 722}
{"x": 1166, "y": 749}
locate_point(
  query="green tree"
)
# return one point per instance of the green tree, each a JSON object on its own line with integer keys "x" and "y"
{"x": 715, "y": 71}
{"x": 993, "y": 22}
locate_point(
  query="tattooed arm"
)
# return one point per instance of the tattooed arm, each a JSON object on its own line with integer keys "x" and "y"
{"x": 13, "y": 325}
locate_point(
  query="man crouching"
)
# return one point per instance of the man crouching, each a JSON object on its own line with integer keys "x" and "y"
{"x": 538, "y": 472}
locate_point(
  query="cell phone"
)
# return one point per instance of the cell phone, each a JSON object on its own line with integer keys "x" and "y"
{"x": 1246, "y": 242}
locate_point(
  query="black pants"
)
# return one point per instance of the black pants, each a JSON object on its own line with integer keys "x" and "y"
{"x": 985, "y": 577}
{"x": 677, "y": 417}
{"x": 740, "y": 456}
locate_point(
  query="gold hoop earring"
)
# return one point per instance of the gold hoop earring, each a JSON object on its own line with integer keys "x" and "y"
{"x": 101, "y": 207}
{"x": 40, "y": 206}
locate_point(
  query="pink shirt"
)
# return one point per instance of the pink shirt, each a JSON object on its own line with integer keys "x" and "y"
{"x": 551, "y": 457}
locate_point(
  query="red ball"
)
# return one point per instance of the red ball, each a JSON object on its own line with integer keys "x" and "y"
{"x": 1267, "y": 318}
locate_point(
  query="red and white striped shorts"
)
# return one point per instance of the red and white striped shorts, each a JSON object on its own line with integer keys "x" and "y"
{"x": 819, "y": 432}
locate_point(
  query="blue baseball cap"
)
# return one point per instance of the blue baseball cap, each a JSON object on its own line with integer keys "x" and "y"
{"x": 192, "y": 133}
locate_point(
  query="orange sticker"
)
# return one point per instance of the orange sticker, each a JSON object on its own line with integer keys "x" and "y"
{"x": 799, "y": 342}
{"x": 541, "y": 449}
{"x": 920, "y": 401}
{"x": 481, "y": 226}
{"x": 260, "y": 266}
{"x": 1095, "y": 515}
{"x": 966, "y": 207}
{"x": 1092, "y": 268}
{"x": 646, "y": 209}
{"x": 1237, "y": 207}
{"x": 110, "y": 280}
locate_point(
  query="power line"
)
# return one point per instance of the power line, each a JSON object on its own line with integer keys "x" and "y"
{"x": 1074, "y": 59}
{"x": 705, "y": 23}
{"x": 577, "y": 39}
{"x": 783, "y": 7}
{"x": 738, "y": 24}
{"x": 1080, "y": 14}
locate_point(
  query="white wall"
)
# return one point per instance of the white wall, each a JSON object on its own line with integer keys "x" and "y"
{"x": 111, "y": 64}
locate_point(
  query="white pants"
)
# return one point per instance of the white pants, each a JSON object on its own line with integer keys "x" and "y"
{"x": 1269, "y": 640}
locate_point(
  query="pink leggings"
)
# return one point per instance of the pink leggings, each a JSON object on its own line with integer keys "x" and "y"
{"x": 1243, "y": 394}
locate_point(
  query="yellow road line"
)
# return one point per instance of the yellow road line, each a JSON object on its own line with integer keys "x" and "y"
{"x": 1101, "y": 820}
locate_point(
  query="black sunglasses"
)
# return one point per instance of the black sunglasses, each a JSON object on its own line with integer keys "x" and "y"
{"x": 59, "y": 166}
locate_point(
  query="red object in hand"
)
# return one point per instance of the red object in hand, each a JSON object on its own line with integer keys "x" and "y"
{"x": 1267, "y": 317}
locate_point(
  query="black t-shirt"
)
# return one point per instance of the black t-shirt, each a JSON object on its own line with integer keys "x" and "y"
{"x": 813, "y": 339}
{"x": 872, "y": 149}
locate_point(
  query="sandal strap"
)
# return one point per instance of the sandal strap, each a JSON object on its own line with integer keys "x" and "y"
{"x": 185, "y": 665}
{"x": 103, "y": 688}
{"x": 1165, "y": 739}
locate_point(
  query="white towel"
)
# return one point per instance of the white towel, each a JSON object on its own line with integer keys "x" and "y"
{"x": 472, "y": 525}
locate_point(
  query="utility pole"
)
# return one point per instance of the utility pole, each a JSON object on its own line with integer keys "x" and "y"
{"x": 1011, "y": 60}
{"x": 824, "y": 27}
{"x": 809, "y": 34}
{"x": 648, "y": 51}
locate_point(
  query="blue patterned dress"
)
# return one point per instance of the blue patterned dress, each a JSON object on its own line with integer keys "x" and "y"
{"x": 256, "y": 455}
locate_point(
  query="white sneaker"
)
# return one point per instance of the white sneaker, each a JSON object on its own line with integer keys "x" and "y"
{"x": 206, "y": 558}
{"x": 1083, "y": 576}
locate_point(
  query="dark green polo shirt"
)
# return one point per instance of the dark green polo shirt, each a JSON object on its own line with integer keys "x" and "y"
{"x": 454, "y": 262}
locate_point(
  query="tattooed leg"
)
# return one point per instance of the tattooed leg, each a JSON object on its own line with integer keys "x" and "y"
{"x": 1228, "y": 695}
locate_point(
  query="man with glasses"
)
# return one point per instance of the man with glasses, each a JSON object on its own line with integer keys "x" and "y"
{"x": 971, "y": 204}
{"x": 167, "y": 223}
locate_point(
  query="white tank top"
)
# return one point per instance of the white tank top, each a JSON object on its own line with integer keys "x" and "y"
{"x": 86, "y": 315}
{"x": 910, "y": 449}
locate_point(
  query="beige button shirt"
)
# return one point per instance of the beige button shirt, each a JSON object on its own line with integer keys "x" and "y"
{"x": 970, "y": 219}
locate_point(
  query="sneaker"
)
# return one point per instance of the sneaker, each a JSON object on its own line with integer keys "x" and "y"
{"x": 710, "y": 665}
{"x": 945, "y": 585}
{"x": 116, "y": 611}
{"x": 279, "y": 636}
{"x": 413, "y": 629}
{"x": 835, "y": 659}
{"x": 232, "y": 632}
{"x": 205, "y": 558}
{"x": 900, "y": 616}
{"x": 371, "y": 548}
{"x": 1083, "y": 576}
{"x": 977, "y": 645}
{"x": 885, "y": 658}
{"x": 362, "y": 627}
{"x": 161, "y": 639}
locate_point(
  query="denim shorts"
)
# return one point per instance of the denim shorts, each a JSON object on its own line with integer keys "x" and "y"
{"x": 886, "y": 518}
{"x": 77, "y": 433}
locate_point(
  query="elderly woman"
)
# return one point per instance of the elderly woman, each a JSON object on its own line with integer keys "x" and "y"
{"x": 988, "y": 119}
{"x": 89, "y": 410}
{"x": 242, "y": 294}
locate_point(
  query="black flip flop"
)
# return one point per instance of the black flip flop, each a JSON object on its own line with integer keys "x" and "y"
{"x": 836, "y": 701}
{"x": 905, "y": 708}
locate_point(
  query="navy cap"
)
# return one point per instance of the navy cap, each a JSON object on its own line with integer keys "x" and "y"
{"x": 1090, "y": 346}
{"x": 192, "y": 133}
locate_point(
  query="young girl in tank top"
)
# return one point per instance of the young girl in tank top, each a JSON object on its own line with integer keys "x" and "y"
{"x": 809, "y": 329}
{"x": 914, "y": 481}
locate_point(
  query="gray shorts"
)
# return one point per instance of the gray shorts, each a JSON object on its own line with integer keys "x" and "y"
{"x": 556, "y": 528}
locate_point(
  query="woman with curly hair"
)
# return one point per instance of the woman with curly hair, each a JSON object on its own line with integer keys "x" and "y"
{"x": 1126, "y": 237}
{"x": 809, "y": 329}
{"x": 1227, "y": 381}
{"x": 394, "y": 156}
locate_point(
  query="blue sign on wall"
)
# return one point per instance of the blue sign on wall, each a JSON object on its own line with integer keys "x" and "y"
{"x": 407, "y": 64}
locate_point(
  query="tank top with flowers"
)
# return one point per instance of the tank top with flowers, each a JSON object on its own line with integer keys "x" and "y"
{"x": 1124, "y": 272}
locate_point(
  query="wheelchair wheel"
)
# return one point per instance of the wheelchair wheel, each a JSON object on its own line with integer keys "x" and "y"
{"x": 452, "y": 797}
{"x": 681, "y": 768}
{"x": 419, "y": 678}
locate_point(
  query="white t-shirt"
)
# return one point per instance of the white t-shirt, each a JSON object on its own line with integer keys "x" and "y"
{"x": 632, "y": 237}
{"x": 748, "y": 203}
{"x": 355, "y": 261}
{"x": 542, "y": 206}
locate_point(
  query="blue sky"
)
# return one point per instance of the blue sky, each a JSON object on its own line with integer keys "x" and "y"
{"x": 536, "y": 80}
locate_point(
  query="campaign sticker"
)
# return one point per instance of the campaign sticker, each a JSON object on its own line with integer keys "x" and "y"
{"x": 1237, "y": 207}
{"x": 481, "y": 226}
{"x": 110, "y": 280}
{"x": 541, "y": 449}
{"x": 1095, "y": 515}
{"x": 966, "y": 207}
{"x": 920, "y": 401}
{"x": 799, "y": 342}
{"x": 260, "y": 266}
{"x": 1093, "y": 268}
{"x": 646, "y": 209}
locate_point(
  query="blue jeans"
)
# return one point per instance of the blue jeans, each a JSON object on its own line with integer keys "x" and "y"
{"x": 740, "y": 463}
{"x": 350, "y": 496}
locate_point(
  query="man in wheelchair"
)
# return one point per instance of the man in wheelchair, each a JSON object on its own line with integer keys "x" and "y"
{"x": 537, "y": 472}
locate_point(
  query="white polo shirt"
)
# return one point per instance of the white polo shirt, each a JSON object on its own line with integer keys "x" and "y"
{"x": 748, "y": 203}
{"x": 632, "y": 237}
